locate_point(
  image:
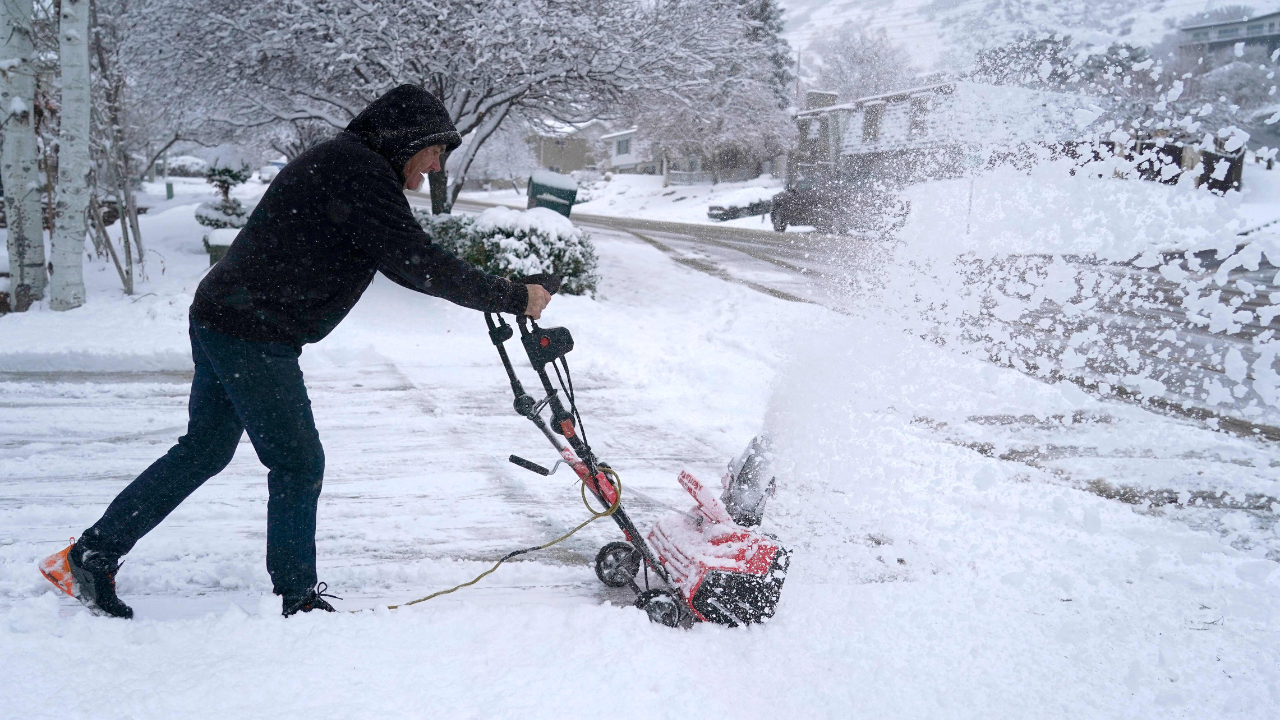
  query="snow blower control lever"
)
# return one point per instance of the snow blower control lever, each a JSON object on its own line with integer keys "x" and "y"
{"x": 710, "y": 566}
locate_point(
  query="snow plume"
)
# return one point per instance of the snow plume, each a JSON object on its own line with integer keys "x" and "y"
{"x": 1121, "y": 286}
{"x": 906, "y": 491}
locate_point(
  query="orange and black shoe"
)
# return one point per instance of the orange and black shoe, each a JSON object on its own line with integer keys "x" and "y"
{"x": 87, "y": 576}
{"x": 313, "y": 599}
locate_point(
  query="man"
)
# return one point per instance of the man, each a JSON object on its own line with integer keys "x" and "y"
{"x": 330, "y": 221}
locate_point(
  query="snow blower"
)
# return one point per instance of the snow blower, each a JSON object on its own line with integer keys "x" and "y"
{"x": 709, "y": 564}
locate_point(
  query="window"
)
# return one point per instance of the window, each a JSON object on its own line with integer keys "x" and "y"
{"x": 919, "y": 114}
{"x": 1228, "y": 32}
{"x": 871, "y": 115}
{"x": 1200, "y": 35}
{"x": 623, "y": 147}
{"x": 1255, "y": 29}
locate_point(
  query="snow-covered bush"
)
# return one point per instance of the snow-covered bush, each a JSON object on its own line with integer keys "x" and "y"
{"x": 517, "y": 243}
{"x": 228, "y": 212}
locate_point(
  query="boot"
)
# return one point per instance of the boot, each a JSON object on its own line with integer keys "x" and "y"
{"x": 313, "y": 599}
{"x": 87, "y": 576}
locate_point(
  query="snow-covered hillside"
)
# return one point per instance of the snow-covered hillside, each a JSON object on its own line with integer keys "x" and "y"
{"x": 930, "y": 30}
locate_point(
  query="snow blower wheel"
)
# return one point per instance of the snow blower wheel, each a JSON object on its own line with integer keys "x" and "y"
{"x": 617, "y": 564}
{"x": 662, "y": 607}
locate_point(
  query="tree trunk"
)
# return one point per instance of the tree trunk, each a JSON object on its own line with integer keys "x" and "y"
{"x": 19, "y": 169}
{"x": 439, "y": 182}
{"x": 131, "y": 212}
{"x": 128, "y": 253}
{"x": 479, "y": 135}
{"x": 66, "y": 285}
{"x": 102, "y": 239}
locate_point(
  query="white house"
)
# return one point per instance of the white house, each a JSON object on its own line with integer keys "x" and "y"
{"x": 934, "y": 129}
{"x": 570, "y": 147}
{"x": 624, "y": 154}
{"x": 1259, "y": 30}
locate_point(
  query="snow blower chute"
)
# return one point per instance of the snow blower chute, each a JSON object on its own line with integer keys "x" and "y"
{"x": 709, "y": 564}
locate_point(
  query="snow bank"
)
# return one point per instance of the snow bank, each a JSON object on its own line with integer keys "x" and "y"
{"x": 1050, "y": 212}
{"x": 105, "y": 335}
{"x": 1121, "y": 284}
{"x": 986, "y": 561}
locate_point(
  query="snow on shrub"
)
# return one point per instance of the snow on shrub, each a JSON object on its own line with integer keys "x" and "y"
{"x": 517, "y": 243}
{"x": 227, "y": 212}
{"x": 186, "y": 166}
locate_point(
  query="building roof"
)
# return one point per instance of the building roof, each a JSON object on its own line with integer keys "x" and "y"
{"x": 971, "y": 114}
{"x": 1220, "y": 23}
{"x": 620, "y": 133}
{"x": 559, "y": 129}
{"x": 895, "y": 96}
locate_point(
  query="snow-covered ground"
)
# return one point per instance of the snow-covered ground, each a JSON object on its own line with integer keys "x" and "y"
{"x": 955, "y": 553}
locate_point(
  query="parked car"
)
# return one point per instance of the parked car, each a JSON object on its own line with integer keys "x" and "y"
{"x": 837, "y": 207}
{"x": 268, "y": 172}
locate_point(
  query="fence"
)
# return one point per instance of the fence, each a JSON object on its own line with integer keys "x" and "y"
{"x": 704, "y": 177}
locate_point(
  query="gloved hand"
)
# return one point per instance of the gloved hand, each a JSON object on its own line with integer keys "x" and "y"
{"x": 538, "y": 299}
{"x": 546, "y": 280}
{"x": 541, "y": 287}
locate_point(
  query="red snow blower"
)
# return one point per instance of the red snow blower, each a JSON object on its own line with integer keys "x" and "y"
{"x": 709, "y": 564}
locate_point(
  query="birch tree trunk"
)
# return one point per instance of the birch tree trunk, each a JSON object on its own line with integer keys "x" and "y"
{"x": 19, "y": 169}
{"x": 66, "y": 284}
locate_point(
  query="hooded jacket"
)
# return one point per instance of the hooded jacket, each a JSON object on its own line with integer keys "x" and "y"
{"x": 330, "y": 221}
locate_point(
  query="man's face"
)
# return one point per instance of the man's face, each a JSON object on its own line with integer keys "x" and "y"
{"x": 427, "y": 160}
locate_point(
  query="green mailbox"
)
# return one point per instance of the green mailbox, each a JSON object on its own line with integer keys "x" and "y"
{"x": 552, "y": 190}
{"x": 217, "y": 242}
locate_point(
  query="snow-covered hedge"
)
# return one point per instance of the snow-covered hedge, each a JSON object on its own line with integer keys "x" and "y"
{"x": 516, "y": 243}
{"x": 187, "y": 166}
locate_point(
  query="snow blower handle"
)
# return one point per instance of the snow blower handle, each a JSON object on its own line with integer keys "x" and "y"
{"x": 549, "y": 281}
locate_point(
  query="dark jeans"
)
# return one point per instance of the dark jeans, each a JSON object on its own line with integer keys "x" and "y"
{"x": 238, "y": 385}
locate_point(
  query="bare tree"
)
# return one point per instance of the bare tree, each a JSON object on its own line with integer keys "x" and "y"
{"x": 735, "y": 112}
{"x": 855, "y": 63}
{"x": 299, "y": 136}
{"x": 19, "y": 159}
{"x": 323, "y": 60}
{"x": 507, "y": 155}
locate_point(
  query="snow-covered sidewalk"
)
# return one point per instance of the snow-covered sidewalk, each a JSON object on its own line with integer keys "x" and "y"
{"x": 951, "y": 558}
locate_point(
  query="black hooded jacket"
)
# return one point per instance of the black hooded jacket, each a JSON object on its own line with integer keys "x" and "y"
{"x": 331, "y": 219}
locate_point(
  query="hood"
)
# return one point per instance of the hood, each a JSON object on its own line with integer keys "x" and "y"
{"x": 402, "y": 122}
